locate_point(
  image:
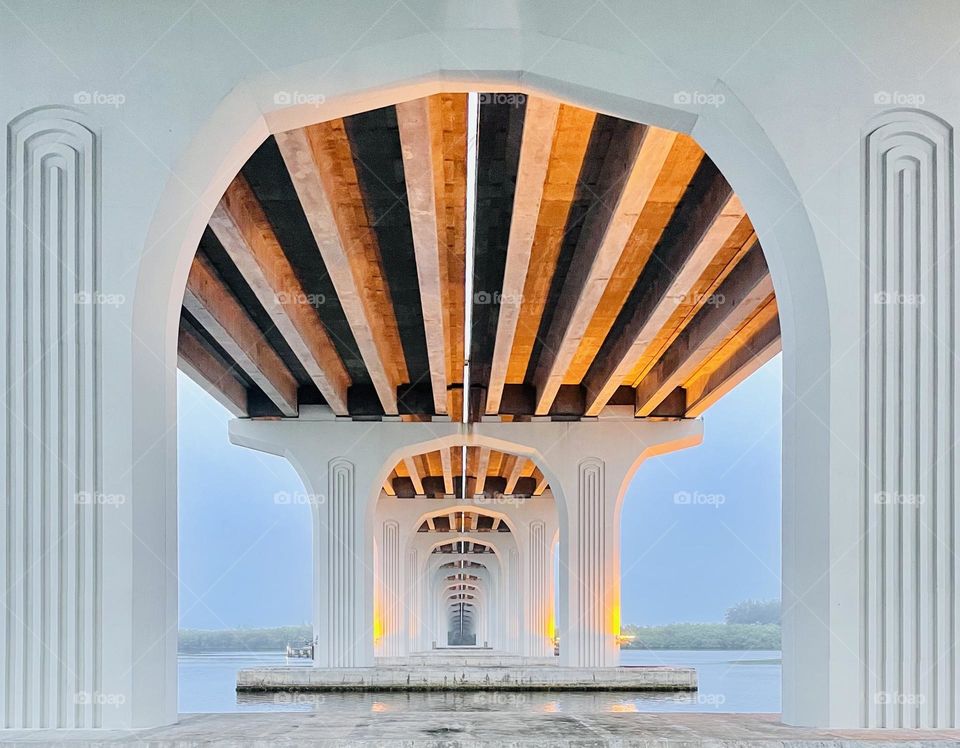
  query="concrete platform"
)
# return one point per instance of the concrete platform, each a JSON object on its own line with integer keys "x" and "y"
{"x": 464, "y": 676}
{"x": 413, "y": 728}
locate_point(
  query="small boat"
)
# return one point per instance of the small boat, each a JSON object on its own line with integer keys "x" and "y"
{"x": 303, "y": 651}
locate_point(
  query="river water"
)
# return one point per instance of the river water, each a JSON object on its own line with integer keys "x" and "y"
{"x": 730, "y": 681}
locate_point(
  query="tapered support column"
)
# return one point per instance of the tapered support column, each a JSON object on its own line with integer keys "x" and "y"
{"x": 538, "y": 598}
{"x": 588, "y": 465}
{"x": 591, "y": 565}
{"x": 342, "y": 626}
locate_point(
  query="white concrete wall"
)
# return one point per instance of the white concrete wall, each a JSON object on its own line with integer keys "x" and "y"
{"x": 782, "y": 95}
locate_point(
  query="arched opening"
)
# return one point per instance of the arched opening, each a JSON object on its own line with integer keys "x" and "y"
{"x": 576, "y": 407}
{"x": 464, "y": 257}
{"x": 490, "y": 538}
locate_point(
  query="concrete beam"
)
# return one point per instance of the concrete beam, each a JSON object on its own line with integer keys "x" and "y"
{"x": 245, "y": 233}
{"x": 516, "y": 471}
{"x": 414, "y": 475}
{"x": 210, "y": 302}
{"x": 421, "y": 137}
{"x": 751, "y": 354}
{"x": 446, "y": 464}
{"x": 483, "y": 464}
{"x": 630, "y": 171}
{"x": 539, "y": 127}
{"x": 209, "y": 372}
{"x": 672, "y": 271}
{"x": 745, "y": 289}
{"x": 573, "y": 134}
{"x": 315, "y": 160}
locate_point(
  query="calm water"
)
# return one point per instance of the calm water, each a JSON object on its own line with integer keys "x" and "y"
{"x": 730, "y": 681}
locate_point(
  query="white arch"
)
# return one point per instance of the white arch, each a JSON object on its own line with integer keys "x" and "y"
{"x": 419, "y": 64}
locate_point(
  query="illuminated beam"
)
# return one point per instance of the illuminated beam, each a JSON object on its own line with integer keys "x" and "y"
{"x": 421, "y": 139}
{"x": 751, "y": 353}
{"x": 245, "y": 233}
{"x": 218, "y": 312}
{"x": 631, "y": 170}
{"x": 738, "y": 298}
{"x": 673, "y": 270}
{"x": 388, "y": 488}
{"x": 209, "y": 372}
{"x": 447, "y": 465}
{"x": 539, "y": 127}
{"x": 483, "y": 464}
{"x": 315, "y": 160}
{"x": 541, "y": 485}
{"x": 414, "y": 475}
{"x": 571, "y": 142}
{"x": 515, "y": 474}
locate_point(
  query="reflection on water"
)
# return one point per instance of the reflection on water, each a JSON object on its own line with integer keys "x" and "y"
{"x": 730, "y": 681}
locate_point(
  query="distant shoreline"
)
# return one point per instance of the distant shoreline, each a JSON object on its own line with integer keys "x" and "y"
{"x": 690, "y": 636}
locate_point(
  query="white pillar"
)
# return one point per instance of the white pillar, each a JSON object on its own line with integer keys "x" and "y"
{"x": 539, "y": 580}
{"x": 589, "y": 565}
{"x": 390, "y": 629}
{"x": 342, "y": 623}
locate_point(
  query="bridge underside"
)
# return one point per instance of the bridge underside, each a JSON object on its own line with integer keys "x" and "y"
{"x": 443, "y": 267}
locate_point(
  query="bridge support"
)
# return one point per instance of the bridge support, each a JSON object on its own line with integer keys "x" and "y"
{"x": 367, "y": 545}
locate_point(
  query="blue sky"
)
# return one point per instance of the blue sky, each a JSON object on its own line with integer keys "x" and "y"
{"x": 245, "y": 560}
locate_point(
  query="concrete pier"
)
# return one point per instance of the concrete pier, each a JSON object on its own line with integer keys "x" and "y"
{"x": 475, "y": 677}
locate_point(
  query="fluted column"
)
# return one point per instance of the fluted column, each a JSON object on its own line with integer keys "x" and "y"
{"x": 909, "y": 593}
{"x": 590, "y": 567}
{"x": 344, "y": 633}
{"x": 539, "y": 579}
{"x": 54, "y": 501}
